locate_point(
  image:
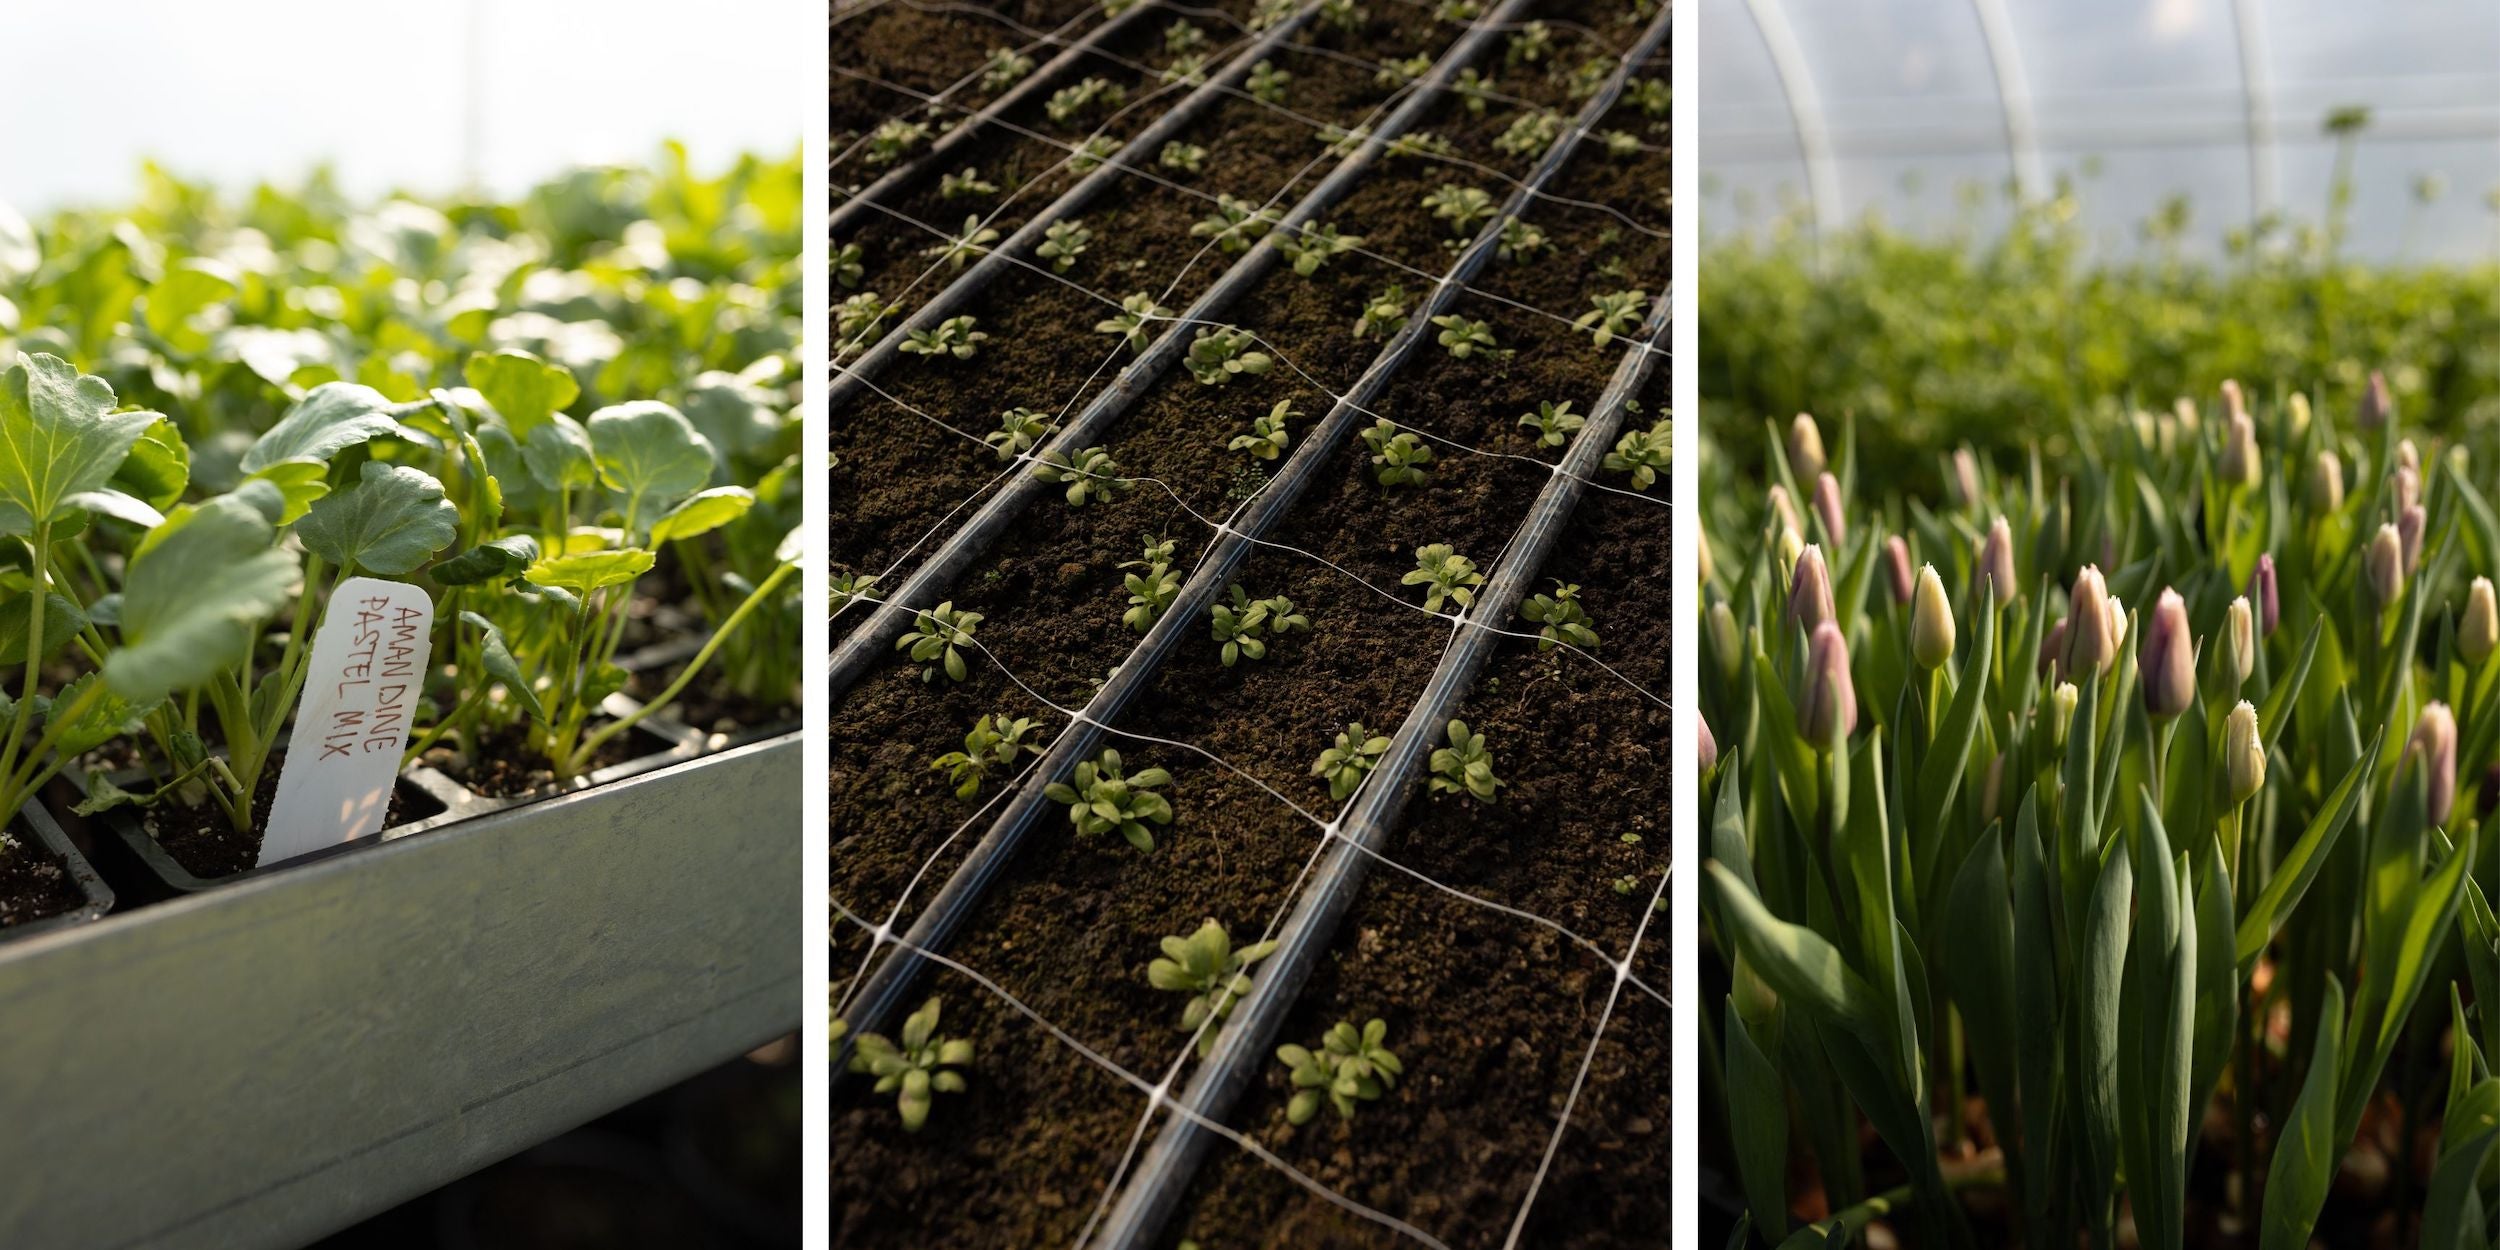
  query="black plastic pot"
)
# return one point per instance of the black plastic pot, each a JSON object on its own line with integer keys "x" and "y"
{"x": 37, "y": 819}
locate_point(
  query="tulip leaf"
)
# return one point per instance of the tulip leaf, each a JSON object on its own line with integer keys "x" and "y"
{"x": 2305, "y": 1154}
{"x": 1948, "y": 755}
{"x": 2299, "y": 866}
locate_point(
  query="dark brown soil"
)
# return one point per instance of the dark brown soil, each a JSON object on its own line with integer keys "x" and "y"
{"x": 34, "y": 882}
{"x": 926, "y": 51}
{"x": 716, "y": 710}
{"x": 208, "y": 846}
{"x": 504, "y": 766}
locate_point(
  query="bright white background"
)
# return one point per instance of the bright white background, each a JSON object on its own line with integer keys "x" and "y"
{"x": 245, "y": 90}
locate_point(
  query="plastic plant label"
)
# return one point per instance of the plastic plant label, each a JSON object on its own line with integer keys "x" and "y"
{"x": 361, "y": 692}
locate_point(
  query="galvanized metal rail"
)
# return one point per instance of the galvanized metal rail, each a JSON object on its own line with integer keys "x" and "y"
{"x": 847, "y": 214}
{"x": 1155, "y": 1189}
{"x": 849, "y": 379}
{"x": 866, "y": 644}
{"x": 884, "y": 992}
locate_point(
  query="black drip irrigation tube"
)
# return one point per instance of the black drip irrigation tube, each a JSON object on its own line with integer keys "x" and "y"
{"x": 883, "y": 994}
{"x": 867, "y": 642}
{"x": 1155, "y": 1189}
{"x": 850, "y": 379}
{"x": 847, "y": 214}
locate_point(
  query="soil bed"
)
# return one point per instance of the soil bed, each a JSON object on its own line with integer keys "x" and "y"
{"x": 207, "y": 845}
{"x": 34, "y": 882}
{"x": 928, "y": 51}
{"x": 504, "y": 767}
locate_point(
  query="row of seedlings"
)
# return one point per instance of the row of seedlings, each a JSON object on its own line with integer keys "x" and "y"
{"x": 1233, "y": 847}
{"x": 929, "y": 51}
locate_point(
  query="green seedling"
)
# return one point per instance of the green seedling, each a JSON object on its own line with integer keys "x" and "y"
{"x": 1562, "y": 617}
{"x": 1268, "y": 437}
{"x": 919, "y": 1069}
{"x": 1520, "y": 242}
{"x": 1464, "y": 766}
{"x": 1642, "y": 453}
{"x": 1398, "y": 457}
{"x": 1220, "y": 353}
{"x": 850, "y": 264}
{"x": 1183, "y": 36}
{"x": 1235, "y": 224}
{"x": 1091, "y": 95}
{"x": 1244, "y": 627}
{"x": 1475, "y": 87}
{"x": 1464, "y": 208}
{"x": 1463, "y": 337}
{"x": 937, "y": 638}
{"x": 1314, "y": 245}
{"x": 1063, "y": 242}
{"x": 1344, "y": 765}
{"x": 1529, "y": 45}
{"x": 1189, "y": 69}
{"x": 1092, "y": 475}
{"x": 974, "y": 241}
{"x": 965, "y": 184}
{"x": 1005, "y": 68}
{"x": 1340, "y": 141}
{"x": 1019, "y": 430}
{"x": 1382, "y": 314}
{"x": 1189, "y": 158}
{"x": 856, "y": 319}
{"x": 1419, "y": 144}
{"x": 954, "y": 337}
{"x": 1445, "y": 575}
{"x": 894, "y": 139}
{"x": 1152, "y": 588}
{"x": 1653, "y": 96}
{"x": 1554, "y": 423}
{"x": 1530, "y": 133}
{"x": 1342, "y": 15}
{"x": 1130, "y": 322}
{"x": 1101, "y": 799}
{"x": 1349, "y": 1067}
{"x": 991, "y": 747}
{"x": 1396, "y": 73}
{"x": 1616, "y": 312}
{"x": 1269, "y": 83}
{"x": 1092, "y": 154}
{"x": 849, "y": 588}
{"x": 1206, "y": 967}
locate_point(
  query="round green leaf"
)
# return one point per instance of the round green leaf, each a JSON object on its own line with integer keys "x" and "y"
{"x": 524, "y": 390}
{"x": 702, "y": 512}
{"x": 590, "y": 570}
{"x": 299, "y": 483}
{"x": 333, "y": 418}
{"x": 558, "y": 455}
{"x": 487, "y": 562}
{"x": 193, "y": 601}
{"x": 59, "y": 437}
{"x": 649, "y": 450}
{"x": 388, "y": 523}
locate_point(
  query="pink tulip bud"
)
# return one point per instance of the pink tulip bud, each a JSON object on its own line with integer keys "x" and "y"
{"x": 1785, "y": 510}
{"x": 2053, "y": 647}
{"x": 1996, "y": 559}
{"x": 2166, "y": 658}
{"x": 2239, "y": 463}
{"x": 2434, "y": 744}
{"x": 1827, "y": 506}
{"x": 2091, "y": 642}
{"x": 2409, "y": 525}
{"x": 1965, "y": 477}
{"x": 2261, "y": 592}
{"x": 1704, "y": 743}
{"x": 1897, "y": 570}
{"x": 1830, "y": 706}
{"x": 1805, "y": 449}
{"x": 1810, "y": 591}
{"x": 2408, "y": 482}
{"x": 2377, "y": 406}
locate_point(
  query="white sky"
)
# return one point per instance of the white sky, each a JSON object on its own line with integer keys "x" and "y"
{"x": 243, "y": 90}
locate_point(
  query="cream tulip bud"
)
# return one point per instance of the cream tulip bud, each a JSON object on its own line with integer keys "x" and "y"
{"x": 2091, "y": 644}
{"x": 2383, "y": 567}
{"x": 1897, "y": 571}
{"x": 1931, "y": 621}
{"x": 2298, "y": 405}
{"x": 2479, "y": 633}
{"x": 2239, "y": 644}
{"x": 1810, "y": 591}
{"x": 1805, "y": 449}
{"x": 1829, "y": 710}
{"x": 1996, "y": 559}
{"x": 2062, "y": 702}
{"x": 2243, "y": 754}
{"x": 2409, "y": 456}
{"x": 2239, "y": 462}
{"x": 1726, "y": 641}
{"x": 2166, "y": 657}
{"x": 2234, "y": 402}
{"x": 1701, "y": 551}
{"x": 2408, "y": 485}
{"x": 1827, "y": 507}
{"x": 2326, "y": 482}
{"x": 1785, "y": 510}
{"x": 2434, "y": 745}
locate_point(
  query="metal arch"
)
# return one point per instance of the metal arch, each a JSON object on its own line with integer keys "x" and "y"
{"x": 2265, "y": 192}
{"x": 1805, "y": 112}
{"x": 2022, "y": 136}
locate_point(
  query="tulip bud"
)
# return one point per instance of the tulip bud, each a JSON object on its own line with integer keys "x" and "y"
{"x": 2183, "y": 410}
{"x": 2261, "y": 589}
{"x": 1791, "y": 548}
{"x": 2234, "y": 403}
{"x": 1785, "y": 510}
{"x": 2409, "y": 456}
{"x": 1805, "y": 449}
{"x": 2479, "y": 633}
{"x": 2434, "y": 744}
{"x": 2383, "y": 567}
{"x": 2239, "y": 450}
{"x": 2166, "y": 660}
{"x": 2239, "y": 644}
{"x": 1931, "y": 621}
{"x": 2298, "y": 405}
{"x": 2062, "y": 703}
{"x": 1701, "y": 549}
{"x": 2243, "y": 755}
{"x": 1830, "y": 706}
{"x": 1996, "y": 559}
{"x": 2326, "y": 483}
{"x": 1725, "y": 641}
{"x": 2377, "y": 406}
{"x": 1827, "y": 507}
{"x": 1810, "y": 590}
{"x": 2409, "y": 525}
{"x": 2408, "y": 484}
{"x": 2053, "y": 647}
{"x": 2091, "y": 643}
{"x": 1707, "y": 746}
{"x": 1897, "y": 571}
{"x": 1965, "y": 477}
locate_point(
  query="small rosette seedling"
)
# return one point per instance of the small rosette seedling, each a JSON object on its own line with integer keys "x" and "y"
{"x": 1562, "y": 617}
{"x": 1188, "y": 158}
{"x": 1221, "y": 353}
{"x": 1475, "y": 87}
{"x": 1089, "y": 95}
{"x": 1529, "y": 45}
{"x": 850, "y": 264}
{"x": 856, "y": 319}
{"x": 1185, "y": 36}
{"x": 1269, "y": 83}
{"x": 1268, "y": 436}
{"x": 1641, "y": 453}
{"x": 1344, "y": 765}
{"x": 1063, "y": 242}
{"x": 1397, "y": 73}
{"x": 1416, "y": 144}
{"x": 1463, "y": 207}
{"x": 936, "y": 638}
{"x": 1445, "y": 575}
{"x": 1206, "y": 967}
{"x": 1092, "y": 153}
{"x": 964, "y": 185}
{"x": 1005, "y": 68}
{"x": 848, "y": 588}
{"x": 1090, "y": 475}
{"x": 1235, "y": 224}
{"x": 1521, "y": 241}
{"x": 991, "y": 747}
{"x": 1382, "y": 313}
{"x": 1618, "y": 313}
{"x": 1398, "y": 457}
{"x": 1554, "y": 423}
{"x": 1530, "y": 133}
{"x": 1463, "y": 337}
{"x": 1244, "y": 626}
{"x": 1101, "y": 799}
{"x": 974, "y": 241}
{"x": 1130, "y": 322}
{"x": 894, "y": 139}
{"x": 918, "y": 1069}
{"x": 1152, "y": 588}
{"x": 1350, "y": 1066}
{"x": 954, "y": 337}
{"x": 1315, "y": 245}
{"x": 1464, "y": 766}
{"x": 1018, "y": 430}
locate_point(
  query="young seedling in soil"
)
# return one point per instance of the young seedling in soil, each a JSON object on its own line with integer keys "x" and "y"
{"x": 1018, "y": 430}
{"x": 1622, "y": 145}
{"x": 1221, "y": 352}
{"x": 1395, "y": 73}
{"x": 1130, "y": 322}
{"x": 1102, "y": 800}
{"x": 1245, "y": 625}
{"x": 1152, "y": 588}
{"x": 1464, "y": 766}
{"x": 1464, "y": 208}
{"x": 1344, "y": 765}
{"x": 1342, "y": 14}
{"x": 848, "y": 587}
{"x": 1417, "y": 144}
{"x": 1384, "y": 313}
{"x": 1268, "y": 437}
{"x": 1398, "y": 457}
{"x": 1092, "y": 153}
{"x": 1005, "y": 68}
{"x": 1315, "y": 245}
{"x": 919, "y": 1069}
{"x": 1063, "y": 242}
{"x": 1349, "y": 1067}
{"x": 1445, "y": 575}
{"x": 1464, "y": 337}
{"x": 1474, "y": 86}
{"x": 1586, "y": 80}
{"x": 894, "y": 140}
{"x": 1184, "y": 36}
{"x": 850, "y": 264}
{"x": 991, "y": 747}
{"x": 1531, "y": 133}
{"x": 1642, "y": 453}
{"x": 1188, "y": 70}
{"x": 1554, "y": 423}
{"x": 935, "y": 635}
{"x": 1269, "y": 83}
{"x": 1520, "y": 243}
{"x": 1205, "y": 966}
{"x": 954, "y": 337}
{"x": 1529, "y": 45}
{"x": 965, "y": 185}
{"x": 1617, "y": 312}
{"x": 1090, "y": 95}
{"x": 1092, "y": 475}
{"x": 1563, "y": 618}
{"x": 855, "y": 321}
{"x": 1185, "y": 157}
{"x": 1653, "y": 95}
{"x": 1339, "y": 141}
{"x": 1235, "y": 224}
{"x": 1458, "y": 11}
{"x": 974, "y": 241}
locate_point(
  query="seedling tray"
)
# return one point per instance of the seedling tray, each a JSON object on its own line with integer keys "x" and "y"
{"x": 37, "y": 820}
{"x": 263, "y": 1063}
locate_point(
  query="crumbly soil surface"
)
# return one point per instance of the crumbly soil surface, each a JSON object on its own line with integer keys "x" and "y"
{"x": 207, "y": 845}
{"x": 34, "y": 882}
{"x": 504, "y": 767}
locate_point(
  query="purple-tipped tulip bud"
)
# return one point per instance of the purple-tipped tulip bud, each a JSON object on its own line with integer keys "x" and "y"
{"x": 1805, "y": 449}
{"x": 1810, "y": 591}
{"x": 2434, "y": 744}
{"x": 2478, "y": 635}
{"x": 1827, "y": 507}
{"x": 2239, "y": 643}
{"x": 2326, "y": 483}
{"x": 2409, "y": 526}
{"x": 2239, "y": 450}
{"x": 2243, "y": 753}
{"x": 1931, "y": 621}
{"x": 1704, "y": 744}
{"x": 1897, "y": 571}
{"x": 2261, "y": 592}
{"x": 1965, "y": 477}
{"x": 1996, "y": 559}
{"x": 1830, "y": 706}
{"x": 2408, "y": 483}
{"x": 2377, "y": 406}
{"x": 2383, "y": 567}
{"x": 2091, "y": 642}
{"x": 2167, "y": 658}
{"x": 1785, "y": 510}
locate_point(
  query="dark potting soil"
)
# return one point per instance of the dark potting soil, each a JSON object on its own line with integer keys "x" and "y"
{"x": 504, "y": 767}
{"x": 34, "y": 882}
{"x": 208, "y": 846}
{"x": 712, "y": 708}
{"x": 925, "y": 50}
